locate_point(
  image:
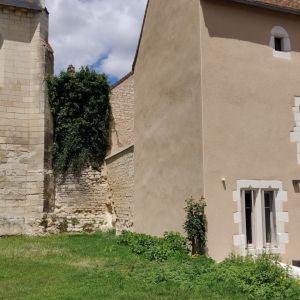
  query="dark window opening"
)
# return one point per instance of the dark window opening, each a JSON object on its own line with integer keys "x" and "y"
{"x": 278, "y": 44}
{"x": 296, "y": 263}
{"x": 270, "y": 221}
{"x": 249, "y": 212}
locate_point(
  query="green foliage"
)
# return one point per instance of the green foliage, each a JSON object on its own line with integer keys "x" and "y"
{"x": 97, "y": 266}
{"x": 74, "y": 222}
{"x": 196, "y": 225}
{"x": 154, "y": 248}
{"x": 88, "y": 227}
{"x": 260, "y": 278}
{"x": 63, "y": 226}
{"x": 81, "y": 111}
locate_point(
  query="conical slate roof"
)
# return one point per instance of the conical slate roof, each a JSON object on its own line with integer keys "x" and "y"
{"x": 27, "y": 4}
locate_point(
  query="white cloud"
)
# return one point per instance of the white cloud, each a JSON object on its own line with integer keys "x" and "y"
{"x": 83, "y": 32}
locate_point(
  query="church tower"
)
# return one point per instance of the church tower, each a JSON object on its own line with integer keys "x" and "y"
{"x": 25, "y": 122}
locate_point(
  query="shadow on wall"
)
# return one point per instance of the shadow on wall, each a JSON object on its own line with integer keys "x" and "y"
{"x": 26, "y": 36}
{"x": 247, "y": 23}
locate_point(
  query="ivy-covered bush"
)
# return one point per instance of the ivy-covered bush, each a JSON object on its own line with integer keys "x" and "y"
{"x": 196, "y": 225}
{"x": 155, "y": 248}
{"x": 80, "y": 106}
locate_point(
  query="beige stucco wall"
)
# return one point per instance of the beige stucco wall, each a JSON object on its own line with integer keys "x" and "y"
{"x": 248, "y": 98}
{"x": 168, "y": 142}
{"x": 22, "y": 106}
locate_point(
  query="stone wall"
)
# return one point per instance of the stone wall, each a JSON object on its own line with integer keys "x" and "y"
{"x": 81, "y": 203}
{"x": 22, "y": 119}
{"x": 122, "y": 106}
{"x": 99, "y": 200}
{"x": 121, "y": 179}
{"x": 31, "y": 200}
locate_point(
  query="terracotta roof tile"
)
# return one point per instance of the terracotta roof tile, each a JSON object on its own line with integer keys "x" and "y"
{"x": 291, "y": 6}
{"x": 287, "y": 4}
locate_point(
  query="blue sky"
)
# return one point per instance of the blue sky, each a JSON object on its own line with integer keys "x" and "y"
{"x": 99, "y": 33}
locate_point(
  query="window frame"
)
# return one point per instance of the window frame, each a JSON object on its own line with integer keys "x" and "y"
{"x": 278, "y": 32}
{"x": 258, "y": 219}
{"x": 282, "y": 217}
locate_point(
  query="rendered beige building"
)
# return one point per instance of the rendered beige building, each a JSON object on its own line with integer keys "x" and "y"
{"x": 217, "y": 116}
{"x": 25, "y": 122}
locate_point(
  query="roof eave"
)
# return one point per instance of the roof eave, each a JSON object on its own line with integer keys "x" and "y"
{"x": 140, "y": 38}
{"x": 22, "y": 8}
{"x": 269, "y": 6}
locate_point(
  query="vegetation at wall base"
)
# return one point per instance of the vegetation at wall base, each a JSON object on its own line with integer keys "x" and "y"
{"x": 195, "y": 225}
{"x": 102, "y": 266}
{"x": 155, "y": 248}
{"x": 81, "y": 112}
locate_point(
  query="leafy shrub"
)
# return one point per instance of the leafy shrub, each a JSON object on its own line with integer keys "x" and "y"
{"x": 184, "y": 273}
{"x": 259, "y": 278}
{"x": 80, "y": 106}
{"x": 75, "y": 222}
{"x": 154, "y": 248}
{"x": 196, "y": 225}
{"x": 63, "y": 226}
{"x": 88, "y": 228}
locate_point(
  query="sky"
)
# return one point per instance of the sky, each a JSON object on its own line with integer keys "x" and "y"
{"x": 102, "y": 34}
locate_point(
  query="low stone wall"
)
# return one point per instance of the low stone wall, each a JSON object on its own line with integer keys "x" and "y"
{"x": 81, "y": 204}
{"x": 97, "y": 200}
{"x": 120, "y": 169}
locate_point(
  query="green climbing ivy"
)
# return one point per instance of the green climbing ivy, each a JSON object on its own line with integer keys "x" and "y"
{"x": 81, "y": 111}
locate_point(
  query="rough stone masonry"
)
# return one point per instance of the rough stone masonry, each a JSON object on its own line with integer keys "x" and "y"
{"x": 101, "y": 199}
{"x": 32, "y": 201}
{"x": 25, "y": 120}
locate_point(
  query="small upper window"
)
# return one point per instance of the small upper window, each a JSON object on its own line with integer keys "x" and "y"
{"x": 280, "y": 42}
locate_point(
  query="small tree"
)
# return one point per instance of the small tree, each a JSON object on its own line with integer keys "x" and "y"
{"x": 196, "y": 225}
{"x": 81, "y": 114}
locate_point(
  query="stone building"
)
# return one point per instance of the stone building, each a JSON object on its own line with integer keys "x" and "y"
{"x": 25, "y": 122}
{"x": 32, "y": 201}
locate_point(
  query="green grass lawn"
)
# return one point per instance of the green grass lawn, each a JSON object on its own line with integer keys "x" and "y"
{"x": 97, "y": 267}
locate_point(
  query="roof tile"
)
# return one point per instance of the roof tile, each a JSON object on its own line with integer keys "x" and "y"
{"x": 287, "y": 5}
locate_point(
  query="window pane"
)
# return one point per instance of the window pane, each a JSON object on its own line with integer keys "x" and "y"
{"x": 278, "y": 44}
{"x": 248, "y": 213}
{"x": 268, "y": 197}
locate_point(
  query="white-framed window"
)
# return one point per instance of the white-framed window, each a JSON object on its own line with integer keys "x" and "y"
{"x": 260, "y": 217}
{"x": 280, "y": 42}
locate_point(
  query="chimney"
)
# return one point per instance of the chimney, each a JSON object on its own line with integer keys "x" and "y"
{"x": 71, "y": 70}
